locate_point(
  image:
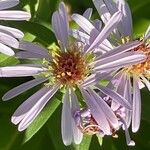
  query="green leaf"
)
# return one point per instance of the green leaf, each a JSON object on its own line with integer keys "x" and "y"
{"x": 100, "y": 140}
{"x": 41, "y": 119}
{"x": 45, "y": 35}
{"x": 7, "y": 60}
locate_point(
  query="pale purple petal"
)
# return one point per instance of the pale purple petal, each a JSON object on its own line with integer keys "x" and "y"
{"x": 6, "y": 50}
{"x": 18, "y": 71}
{"x": 80, "y": 36}
{"x": 121, "y": 49}
{"x": 9, "y": 40}
{"x": 34, "y": 48}
{"x": 14, "y": 15}
{"x": 97, "y": 112}
{"x": 60, "y": 29}
{"x": 4, "y": 4}
{"x": 88, "y": 13}
{"x": 85, "y": 24}
{"x": 118, "y": 61}
{"x": 106, "y": 109}
{"x": 115, "y": 96}
{"x": 136, "y": 114}
{"x": 12, "y": 31}
{"x": 22, "y": 88}
{"x": 94, "y": 78}
{"x": 125, "y": 27}
{"x": 28, "y": 55}
{"x": 102, "y": 10}
{"x": 37, "y": 108}
{"x": 128, "y": 97}
{"x": 109, "y": 27}
{"x": 26, "y": 106}
{"x": 66, "y": 120}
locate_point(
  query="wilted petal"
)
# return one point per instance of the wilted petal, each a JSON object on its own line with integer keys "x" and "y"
{"x": 106, "y": 109}
{"x": 77, "y": 134}
{"x": 128, "y": 139}
{"x": 66, "y": 120}
{"x": 22, "y": 88}
{"x": 97, "y": 112}
{"x": 14, "y": 15}
{"x": 6, "y": 50}
{"x": 115, "y": 96}
{"x": 136, "y": 114}
{"x": 18, "y": 71}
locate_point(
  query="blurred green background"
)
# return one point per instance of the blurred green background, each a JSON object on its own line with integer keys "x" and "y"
{"x": 48, "y": 137}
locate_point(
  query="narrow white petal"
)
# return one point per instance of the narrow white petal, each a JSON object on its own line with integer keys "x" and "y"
{"x": 22, "y": 88}
{"x": 9, "y": 40}
{"x": 12, "y": 31}
{"x": 66, "y": 120}
{"x": 14, "y": 15}
{"x": 37, "y": 108}
{"x": 18, "y": 71}
{"x": 6, "y": 50}
{"x": 136, "y": 114}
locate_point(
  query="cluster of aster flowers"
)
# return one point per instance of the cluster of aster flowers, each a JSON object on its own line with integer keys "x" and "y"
{"x": 100, "y": 50}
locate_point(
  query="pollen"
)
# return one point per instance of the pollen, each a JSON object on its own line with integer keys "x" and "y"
{"x": 70, "y": 67}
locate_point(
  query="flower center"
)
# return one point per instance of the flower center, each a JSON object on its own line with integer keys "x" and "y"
{"x": 143, "y": 67}
{"x": 70, "y": 67}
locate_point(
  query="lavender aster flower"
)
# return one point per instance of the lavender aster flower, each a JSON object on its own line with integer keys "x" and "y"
{"x": 138, "y": 73}
{"x": 70, "y": 66}
{"x": 9, "y": 36}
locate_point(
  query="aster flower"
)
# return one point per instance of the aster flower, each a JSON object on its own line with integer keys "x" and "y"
{"x": 70, "y": 66}
{"x": 10, "y": 36}
{"x": 138, "y": 73}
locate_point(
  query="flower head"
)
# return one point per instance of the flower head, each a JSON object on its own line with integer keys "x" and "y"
{"x": 71, "y": 66}
{"x": 10, "y": 36}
